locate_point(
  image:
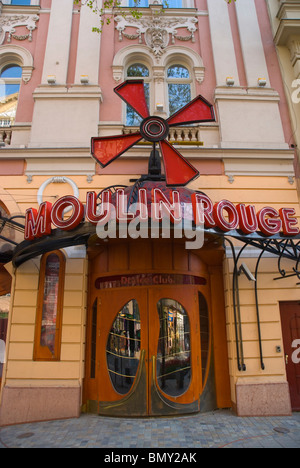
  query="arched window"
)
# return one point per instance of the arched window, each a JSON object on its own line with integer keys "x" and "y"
{"x": 179, "y": 87}
{"x": 165, "y": 3}
{"x": 10, "y": 80}
{"x": 50, "y": 307}
{"x": 137, "y": 70}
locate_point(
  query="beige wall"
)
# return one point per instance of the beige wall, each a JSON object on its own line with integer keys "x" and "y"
{"x": 22, "y": 372}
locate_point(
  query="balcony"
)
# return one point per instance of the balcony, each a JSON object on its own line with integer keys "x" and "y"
{"x": 5, "y": 135}
{"x": 183, "y": 136}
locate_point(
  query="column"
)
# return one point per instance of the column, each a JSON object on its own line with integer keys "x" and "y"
{"x": 88, "y": 50}
{"x": 252, "y": 47}
{"x": 58, "y": 41}
{"x": 222, "y": 42}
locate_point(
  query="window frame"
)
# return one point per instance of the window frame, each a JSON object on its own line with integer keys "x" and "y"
{"x": 43, "y": 353}
{"x": 147, "y": 80}
{"x": 10, "y": 80}
{"x": 8, "y": 121}
{"x": 185, "y": 4}
{"x": 170, "y": 80}
{"x": 9, "y": 2}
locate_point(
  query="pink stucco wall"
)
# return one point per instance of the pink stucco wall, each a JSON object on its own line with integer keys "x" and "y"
{"x": 111, "y": 108}
{"x": 37, "y": 48}
{"x": 274, "y": 67}
{"x": 110, "y": 45}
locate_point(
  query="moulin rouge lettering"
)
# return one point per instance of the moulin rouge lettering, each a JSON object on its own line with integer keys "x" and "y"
{"x": 223, "y": 215}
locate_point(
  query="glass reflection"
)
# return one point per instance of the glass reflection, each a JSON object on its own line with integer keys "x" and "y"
{"x": 204, "y": 334}
{"x": 141, "y": 71}
{"x": 123, "y": 349}
{"x": 174, "y": 350}
{"x": 50, "y": 303}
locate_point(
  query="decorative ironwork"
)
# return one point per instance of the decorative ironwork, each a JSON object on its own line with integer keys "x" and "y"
{"x": 9, "y": 227}
{"x": 279, "y": 246}
{"x": 283, "y": 248}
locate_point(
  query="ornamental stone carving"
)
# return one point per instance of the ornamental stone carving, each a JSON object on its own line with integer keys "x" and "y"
{"x": 158, "y": 31}
{"x": 9, "y": 23}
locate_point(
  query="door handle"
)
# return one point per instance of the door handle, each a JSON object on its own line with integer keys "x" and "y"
{"x": 286, "y": 359}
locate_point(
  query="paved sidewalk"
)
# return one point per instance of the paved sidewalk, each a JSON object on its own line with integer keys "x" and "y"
{"x": 220, "y": 429}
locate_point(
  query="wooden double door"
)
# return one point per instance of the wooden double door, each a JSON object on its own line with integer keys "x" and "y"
{"x": 290, "y": 320}
{"x": 145, "y": 350}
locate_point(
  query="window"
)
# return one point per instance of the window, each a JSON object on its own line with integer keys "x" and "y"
{"x": 137, "y": 70}
{"x": 204, "y": 335}
{"x": 3, "y": 330}
{"x": 123, "y": 350}
{"x": 50, "y": 306}
{"x": 174, "y": 348}
{"x": 165, "y": 3}
{"x": 16, "y": 2}
{"x": 93, "y": 340}
{"x": 10, "y": 79}
{"x": 179, "y": 87}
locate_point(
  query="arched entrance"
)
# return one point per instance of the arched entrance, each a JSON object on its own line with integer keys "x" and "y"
{"x": 150, "y": 331}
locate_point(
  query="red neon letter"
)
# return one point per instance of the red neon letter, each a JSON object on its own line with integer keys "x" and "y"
{"x": 143, "y": 205}
{"x": 267, "y": 222}
{"x": 101, "y": 213}
{"x": 287, "y": 216}
{"x": 57, "y": 213}
{"x": 248, "y": 220}
{"x": 202, "y": 209}
{"x": 221, "y": 221}
{"x": 38, "y": 224}
{"x": 161, "y": 203}
{"x": 122, "y": 211}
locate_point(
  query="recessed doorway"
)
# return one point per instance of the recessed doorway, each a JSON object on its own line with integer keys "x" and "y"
{"x": 150, "y": 347}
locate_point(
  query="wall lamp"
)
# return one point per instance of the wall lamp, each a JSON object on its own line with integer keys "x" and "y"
{"x": 51, "y": 79}
{"x": 262, "y": 82}
{"x": 84, "y": 79}
{"x": 244, "y": 269}
{"x": 230, "y": 81}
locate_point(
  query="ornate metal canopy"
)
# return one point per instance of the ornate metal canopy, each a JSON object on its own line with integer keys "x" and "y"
{"x": 278, "y": 246}
{"x": 11, "y": 234}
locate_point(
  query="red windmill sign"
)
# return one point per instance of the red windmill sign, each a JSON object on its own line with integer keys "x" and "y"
{"x": 178, "y": 170}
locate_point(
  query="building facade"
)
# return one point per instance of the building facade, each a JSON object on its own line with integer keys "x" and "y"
{"x": 105, "y": 322}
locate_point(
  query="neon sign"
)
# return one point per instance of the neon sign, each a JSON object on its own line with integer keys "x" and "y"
{"x": 222, "y": 216}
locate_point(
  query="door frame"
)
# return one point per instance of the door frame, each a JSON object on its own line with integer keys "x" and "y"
{"x": 140, "y": 257}
{"x": 157, "y": 402}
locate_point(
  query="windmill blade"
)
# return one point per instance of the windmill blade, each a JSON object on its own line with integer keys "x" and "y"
{"x": 179, "y": 171}
{"x": 198, "y": 110}
{"x": 107, "y": 149}
{"x": 133, "y": 93}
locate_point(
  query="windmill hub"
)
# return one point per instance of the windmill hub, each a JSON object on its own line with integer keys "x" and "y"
{"x": 154, "y": 129}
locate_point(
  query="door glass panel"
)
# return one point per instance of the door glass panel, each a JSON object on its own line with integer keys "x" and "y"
{"x": 174, "y": 351}
{"x": 204, "y": 334}
{"x": 50, "y": 302}
{"x": 93, "y": 340}
{"x": 123, "y": 348}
